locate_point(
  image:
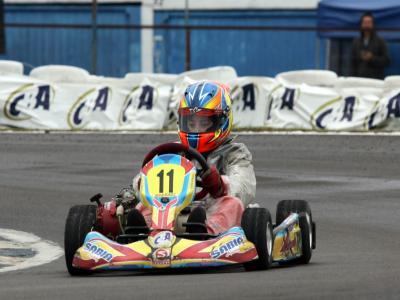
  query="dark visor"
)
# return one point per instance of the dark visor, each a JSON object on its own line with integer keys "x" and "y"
{"x": 200, "y": 121}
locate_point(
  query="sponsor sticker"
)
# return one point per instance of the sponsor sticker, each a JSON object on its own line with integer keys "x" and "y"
{"x": 98, "y": 252}
{"x": 228, "y": 248}
{"x": 163, "y": 239}
{"x": 288, "y": 244}
{"x": 162, "y": 256}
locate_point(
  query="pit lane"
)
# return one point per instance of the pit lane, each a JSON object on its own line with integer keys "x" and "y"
{"x": 351, "y": 182}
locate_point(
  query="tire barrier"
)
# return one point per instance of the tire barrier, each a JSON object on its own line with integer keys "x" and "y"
{"x": 58, "y": 97}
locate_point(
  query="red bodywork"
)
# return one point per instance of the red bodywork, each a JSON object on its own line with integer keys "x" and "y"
{"x": 107, "y": 221}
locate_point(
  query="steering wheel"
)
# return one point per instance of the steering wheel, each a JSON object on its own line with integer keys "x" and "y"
{"x": 177, "y": 148}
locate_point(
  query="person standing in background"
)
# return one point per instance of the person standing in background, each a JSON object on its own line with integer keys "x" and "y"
{"x": 369, "y": 51}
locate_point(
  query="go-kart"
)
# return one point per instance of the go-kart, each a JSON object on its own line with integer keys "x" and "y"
{"x": 98, "y": 237}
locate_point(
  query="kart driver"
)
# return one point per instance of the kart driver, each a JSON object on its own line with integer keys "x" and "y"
{"x": 205, "y": 122}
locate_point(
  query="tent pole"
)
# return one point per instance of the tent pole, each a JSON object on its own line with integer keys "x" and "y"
{"x": 317, "y": 52}
{"x": 328, "y": 54}
{"x": 94, "y": 37}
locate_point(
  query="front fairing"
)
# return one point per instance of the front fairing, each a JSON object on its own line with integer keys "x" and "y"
{"x": 164, "y": 250}
{"x": 167, "y": 185}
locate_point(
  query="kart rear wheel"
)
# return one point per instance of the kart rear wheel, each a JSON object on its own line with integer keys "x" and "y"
{"x": 80, "y": 221}
{"x": 257, "y": 225}
{"x": 307, "y": 226}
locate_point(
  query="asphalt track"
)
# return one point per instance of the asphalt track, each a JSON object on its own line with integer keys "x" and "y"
{"x": 351, "y": 182}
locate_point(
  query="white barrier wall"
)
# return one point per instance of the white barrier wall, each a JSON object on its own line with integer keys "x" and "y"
{"x": 297, "y": 106}
{"x": 250, "y": 100}
{"x": 146, "y": 105}
{"x": 8, "y": 67}
{"x": 69, "y": 98}
{"x": 32, "y": 103}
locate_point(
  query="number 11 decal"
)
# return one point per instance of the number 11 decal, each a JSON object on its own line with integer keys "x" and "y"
{"x": 170, "y": 174}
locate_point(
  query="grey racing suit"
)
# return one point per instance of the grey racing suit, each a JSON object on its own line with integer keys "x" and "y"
{"x": 234, "y": 162}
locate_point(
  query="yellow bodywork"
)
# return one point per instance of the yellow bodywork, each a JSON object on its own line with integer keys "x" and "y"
{"x": 287, "y": 243}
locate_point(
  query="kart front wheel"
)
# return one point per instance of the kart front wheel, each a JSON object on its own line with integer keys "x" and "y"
{"x": 307, "y": 226}
{"x": 80, "y": 221}
{"x": 257, "y": 225}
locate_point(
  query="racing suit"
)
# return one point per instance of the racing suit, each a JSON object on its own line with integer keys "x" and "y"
{"x": 234, "y": 163}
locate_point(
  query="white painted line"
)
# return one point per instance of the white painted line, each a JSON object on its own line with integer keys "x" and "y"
{"x": 169, "y": 132}
{"x": 46, "y": 251}
{"x": 320, "y": 133}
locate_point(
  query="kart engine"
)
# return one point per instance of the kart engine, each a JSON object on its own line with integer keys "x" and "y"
{"x": 111, "y": 216}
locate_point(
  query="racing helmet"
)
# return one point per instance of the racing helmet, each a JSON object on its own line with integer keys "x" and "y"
{"x": 205, "y": 116}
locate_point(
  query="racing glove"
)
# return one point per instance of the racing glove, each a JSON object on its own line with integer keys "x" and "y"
{"x": 213, "y": 183}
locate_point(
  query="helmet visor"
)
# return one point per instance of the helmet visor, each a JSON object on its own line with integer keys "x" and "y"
{"x": 200, "y": 121}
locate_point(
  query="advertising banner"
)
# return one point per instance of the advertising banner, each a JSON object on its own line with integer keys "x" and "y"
{"x": 31, "y": 103}
{"x": 143, "y": 101}
{"x": 249, "y": 97}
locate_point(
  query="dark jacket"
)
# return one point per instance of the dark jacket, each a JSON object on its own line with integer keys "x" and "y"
{"x": 375, "y": 67}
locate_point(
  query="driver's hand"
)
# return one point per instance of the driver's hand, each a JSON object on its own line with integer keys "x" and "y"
{"x": 212, "y": 183}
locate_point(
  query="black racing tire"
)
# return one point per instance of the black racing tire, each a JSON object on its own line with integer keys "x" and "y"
{"x": 257, "y": 225}
{"x": 307, "y": 226}
{"x": 306, "y": 239}
{"x": 80, "y": 221}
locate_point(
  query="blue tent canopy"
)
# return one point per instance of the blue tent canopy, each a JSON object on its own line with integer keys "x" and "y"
{"x": 336, "y": 14}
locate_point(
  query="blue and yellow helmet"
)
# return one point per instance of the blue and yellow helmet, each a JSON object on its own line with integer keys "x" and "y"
{"x": 205, "y": 116}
